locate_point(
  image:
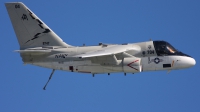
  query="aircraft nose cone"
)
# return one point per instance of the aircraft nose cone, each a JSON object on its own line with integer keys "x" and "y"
{"x": 188, "y": 62}
{"x": 192, "y": 62}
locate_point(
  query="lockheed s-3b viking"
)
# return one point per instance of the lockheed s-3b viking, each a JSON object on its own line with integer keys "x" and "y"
{"x": 40, "y": 46}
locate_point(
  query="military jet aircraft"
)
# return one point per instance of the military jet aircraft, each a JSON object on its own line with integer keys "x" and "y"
{"x": 40, "y": 46}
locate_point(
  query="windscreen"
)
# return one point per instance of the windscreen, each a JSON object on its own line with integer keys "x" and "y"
{"x": 164, "y": 48}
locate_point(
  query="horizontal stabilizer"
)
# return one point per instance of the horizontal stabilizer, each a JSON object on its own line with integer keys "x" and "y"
{"x": 33, "y": 51}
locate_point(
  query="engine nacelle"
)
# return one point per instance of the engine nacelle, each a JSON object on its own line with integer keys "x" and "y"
{"x": 132, "y": 65}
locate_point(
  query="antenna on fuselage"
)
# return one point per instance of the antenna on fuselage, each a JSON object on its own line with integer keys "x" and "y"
{"x": 150, "y": 39}
{"x": 49, "y": 79}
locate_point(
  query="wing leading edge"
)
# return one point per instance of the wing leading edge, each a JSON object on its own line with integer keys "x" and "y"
{"x": 109, "y": 51}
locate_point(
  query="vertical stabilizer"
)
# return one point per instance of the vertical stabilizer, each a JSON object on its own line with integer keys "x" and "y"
{"x": 29, "y": 29}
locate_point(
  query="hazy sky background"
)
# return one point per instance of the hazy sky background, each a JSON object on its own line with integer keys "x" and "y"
{"x": 89, "y": 22}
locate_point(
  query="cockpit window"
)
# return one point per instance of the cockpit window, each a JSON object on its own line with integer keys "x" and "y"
{"x": 170, "y": 48}
{"x": 164, "y": 48}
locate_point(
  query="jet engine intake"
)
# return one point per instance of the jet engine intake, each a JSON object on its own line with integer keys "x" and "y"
{"x": 132, "y": 65}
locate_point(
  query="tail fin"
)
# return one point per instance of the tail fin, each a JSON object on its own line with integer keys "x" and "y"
{"x": 29, "y": 29}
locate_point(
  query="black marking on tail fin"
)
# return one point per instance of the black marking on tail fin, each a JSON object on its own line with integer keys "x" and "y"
{"x": 30, "y": 13}
{"x": 46, "y": 31}
{"x": 37, "y": 35}
{"x": 39, "y": 21}
{"x": 41, "y": 26}
{"x": 34, "y": 38}
{"x": 24, "y": 17}
{"x": 17, "y": 6}
{"x": 27, "y": 41}
{"x": 32, "y": 16}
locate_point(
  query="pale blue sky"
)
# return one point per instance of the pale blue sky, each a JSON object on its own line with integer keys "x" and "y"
{"x": 107, "y": 21}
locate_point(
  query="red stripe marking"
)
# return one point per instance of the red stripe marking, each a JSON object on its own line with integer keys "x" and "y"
{"x": 132, "y": 63}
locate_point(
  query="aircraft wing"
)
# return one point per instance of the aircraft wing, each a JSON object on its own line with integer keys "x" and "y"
{"x": 109, "y": 51}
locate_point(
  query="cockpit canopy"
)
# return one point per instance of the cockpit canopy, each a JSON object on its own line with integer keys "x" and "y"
{"x": 164, "y": 48}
